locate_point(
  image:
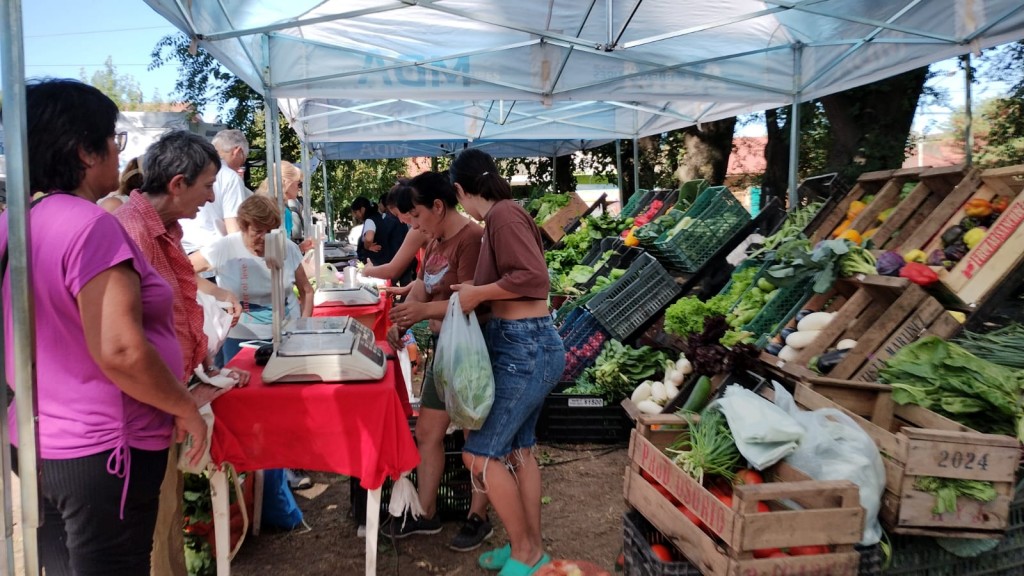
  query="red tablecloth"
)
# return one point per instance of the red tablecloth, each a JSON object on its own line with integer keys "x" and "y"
{"x": 375, "y": 316}
{"x": 357, "y": 430}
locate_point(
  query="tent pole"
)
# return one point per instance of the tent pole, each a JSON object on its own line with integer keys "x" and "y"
{"x": 327, "y": 201}
{"x": 794, "y": 128}
{"x": 636, "y": 166}
{"x": 968, "y": 129}
{"x": 12, "y": 61}
{"x": 307, "y": 212}
{"x": 618, "y": 171}
{"x": 554, "y": 175}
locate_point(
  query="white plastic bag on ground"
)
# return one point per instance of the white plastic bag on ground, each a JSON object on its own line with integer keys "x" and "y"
{"x": 836, "y": 448}
{"x": 764, "y": 434}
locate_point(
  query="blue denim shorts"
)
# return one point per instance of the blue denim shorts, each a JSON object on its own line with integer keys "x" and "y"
{"x": 528, "y": 358}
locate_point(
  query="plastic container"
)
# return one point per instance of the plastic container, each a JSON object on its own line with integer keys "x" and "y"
{"x": 717, "y": 216}
{"x": 634, "y": 298}
{"x": 637, "y": 537}
{"x": 581, "y": 419}
{"x": 583, "y": 338}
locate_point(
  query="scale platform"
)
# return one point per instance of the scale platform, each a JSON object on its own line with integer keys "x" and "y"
{"x": 329, "y": 349}
{"x": 337, "y": 295}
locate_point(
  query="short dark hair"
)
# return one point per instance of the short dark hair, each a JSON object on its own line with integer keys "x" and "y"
{"x": 425, "y": 189}
{"x": 64, "y": 117}
{"x": 176, "y": 152}
{"x": 478, "y": 175}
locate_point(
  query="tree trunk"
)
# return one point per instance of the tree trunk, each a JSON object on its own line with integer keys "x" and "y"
{"x": 870, "y": 124}
{"x": 776, "y": 155}
{"x": 706, "y": 151}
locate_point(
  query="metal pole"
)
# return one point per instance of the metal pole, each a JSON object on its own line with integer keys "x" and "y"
{"x": 328, "y": 212}
{"x": 636, "y": 166}
{"x": 968, "y": 128}
{"x": 307, "y": 212}
{"x": 618, "y": 172}
{"x": 12, "y": 61}
{"x": 794, "y": 127}
{"x": 554, "y": 174}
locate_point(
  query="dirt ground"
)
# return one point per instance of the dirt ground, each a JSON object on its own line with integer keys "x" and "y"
{"x": 582, "y": 520}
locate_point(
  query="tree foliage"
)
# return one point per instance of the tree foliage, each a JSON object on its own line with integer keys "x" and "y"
{"x": 123, "y": 89}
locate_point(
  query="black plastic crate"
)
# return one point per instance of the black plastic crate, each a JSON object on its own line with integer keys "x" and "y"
{"x": 637, "y": 537}
{"x": 622, "y": 257}
{"x": 634, "y": 298}
{"x": 453, "y": 496}
{"x": 581, "y": 419}
{"x": 583, "y": 338}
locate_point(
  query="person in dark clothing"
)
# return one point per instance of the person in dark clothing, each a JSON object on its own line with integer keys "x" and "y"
{"x": 365, "y": 212}
{"x": 392, "y": 233}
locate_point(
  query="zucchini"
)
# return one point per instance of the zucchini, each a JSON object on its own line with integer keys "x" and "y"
{"x": 699, "y": 396}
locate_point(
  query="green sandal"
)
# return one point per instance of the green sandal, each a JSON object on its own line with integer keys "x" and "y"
{"x": 495, "y": 559}
{"x": 514, "y": 567}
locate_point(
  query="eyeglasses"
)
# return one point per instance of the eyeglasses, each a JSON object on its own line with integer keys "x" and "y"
{"x": 121, "y": 139}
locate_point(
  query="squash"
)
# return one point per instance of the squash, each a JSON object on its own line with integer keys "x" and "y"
{"x": 802, "y": 339}
{"x": 815, "y": 321}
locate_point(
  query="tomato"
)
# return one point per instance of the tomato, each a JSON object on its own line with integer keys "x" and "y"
{"x": 646, "y": 476}
{"x": 762, "y": 507}
{"x": 620, "y": 562}
{"x": 725, "y": 499}
{"x": 662, "y": 552}
{"x": 808, "y": 550}
{"x": 768, "y": 553}
{"x": 690, "y": 515}
{"x": 779, "y": 554}
{"x": 748, "y": 476}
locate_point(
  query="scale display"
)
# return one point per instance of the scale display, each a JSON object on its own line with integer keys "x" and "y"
{"x": 337, "y": 295}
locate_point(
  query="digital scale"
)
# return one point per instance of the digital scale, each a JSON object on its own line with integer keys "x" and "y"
{"x": 326, "y": 349}
{"x": 331, "y": 349}
{"x": 339, "y": 295}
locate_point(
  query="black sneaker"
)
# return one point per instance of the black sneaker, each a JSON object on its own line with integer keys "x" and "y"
{"x": 407, "y": 526}
{"x": 472, "y": 534}
{"x": 298, "y": 479}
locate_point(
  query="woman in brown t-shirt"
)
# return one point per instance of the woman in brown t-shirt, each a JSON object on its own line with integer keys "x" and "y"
{"x": 451, "y": 258}
{"x": 527, "y": 358}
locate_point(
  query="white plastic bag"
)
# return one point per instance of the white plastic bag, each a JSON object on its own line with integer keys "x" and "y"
{"x": 216, "y": 322}
{"x": 462, "y": 368}
{"x": 764, "y": 434}
{"x": 183, "y": 463}
{"x": 836, "y": 448}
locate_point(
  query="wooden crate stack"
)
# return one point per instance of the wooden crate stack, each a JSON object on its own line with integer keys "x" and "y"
{"x": 916, "y": 442}
{"x": 554, "y": 227}
{"x": 830, "y": 515}
{"x": 881, "y": 314}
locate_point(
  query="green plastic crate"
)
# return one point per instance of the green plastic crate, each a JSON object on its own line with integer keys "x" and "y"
{"x": 717, "y": 216}
{"x": 638, "y": 200}
{"x": 780, "y": 309}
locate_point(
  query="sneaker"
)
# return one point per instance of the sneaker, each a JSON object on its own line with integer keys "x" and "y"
{"x": 407, "y": 526}
{"x": 298, "y": 479}
{"x": 472, "y": 534}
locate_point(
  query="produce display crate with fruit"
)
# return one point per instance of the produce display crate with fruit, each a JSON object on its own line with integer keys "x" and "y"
{"x": 583, "y": 338}
{"x": 580, "y": 418}
{"x": 638, "y": 200}
{"x": 646, "y": 552}
{"x": 776, "y": 307}
{"x": 554, "y": 226}
{"x": 983, "y": 257}
{"x": 743, "y": 533}
{"x": 853, "y": 329}
{"x": 916, "y": 443}
{"x": 715, "y": 217}
{"x": 634, "y": 298}
{"x": 867, "y": 186}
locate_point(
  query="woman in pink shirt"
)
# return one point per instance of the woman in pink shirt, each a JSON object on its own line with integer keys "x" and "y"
{"x": 109, "y": 369}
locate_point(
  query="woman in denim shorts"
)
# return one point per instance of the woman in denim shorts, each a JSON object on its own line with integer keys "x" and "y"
{"x": 527, "y": 358}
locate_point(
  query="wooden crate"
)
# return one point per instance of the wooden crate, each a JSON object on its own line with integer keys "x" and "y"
{"x": 882, "y": 314}
{"x": 554, "y": 226}
{"x": 918, "y": 442}
{"x": 830, "y": 514}
{"x": 988, "y": 264}
{"x": 937, "y": 191}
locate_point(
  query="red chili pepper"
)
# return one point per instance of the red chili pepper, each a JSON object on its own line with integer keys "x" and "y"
{"x": 918, "y": 273}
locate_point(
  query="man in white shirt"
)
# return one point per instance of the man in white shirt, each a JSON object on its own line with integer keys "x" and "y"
{"x": 219, "y": 218}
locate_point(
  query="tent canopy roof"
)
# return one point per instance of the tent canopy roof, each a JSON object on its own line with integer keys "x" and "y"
{"x": 699, "y": 60}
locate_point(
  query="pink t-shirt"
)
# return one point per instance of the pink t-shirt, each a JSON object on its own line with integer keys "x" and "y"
{"x": 81, "y": 412}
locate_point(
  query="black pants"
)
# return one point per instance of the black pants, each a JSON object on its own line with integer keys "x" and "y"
{"x": 82, "y": 532}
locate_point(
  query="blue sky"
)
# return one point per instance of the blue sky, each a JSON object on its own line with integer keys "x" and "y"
{"x": 64, "y": 37}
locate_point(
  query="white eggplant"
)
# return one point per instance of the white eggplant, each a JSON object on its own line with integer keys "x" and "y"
{"x": 814, "y": 321}
{"x": 658, "y": 393}
{"x": 641, "y": 392}
{"x": 788, "y": 353}
{"x": 846, "y": 344}
{"x": 802, "y": 339}
{"x": 648, "y": 407}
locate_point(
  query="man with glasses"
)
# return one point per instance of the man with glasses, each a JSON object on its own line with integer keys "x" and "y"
{"x": 220, "y": 217}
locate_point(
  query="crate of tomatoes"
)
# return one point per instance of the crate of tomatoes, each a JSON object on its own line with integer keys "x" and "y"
{"x": 729, "y": 520}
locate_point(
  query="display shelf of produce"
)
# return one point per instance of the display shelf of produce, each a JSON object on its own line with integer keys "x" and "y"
{"x": 778, "y": 311}
{"x": 634, "y": 298}
{"x": 622, "y": 257}
{"x": 716, "y": 217}
{"x": 881, "y": 314}
{"x": 583, "y": 337}
{"x": 638, "y": 200}
{"x": 828, "y": 189}
{"x": 916, "y": 442}
{"x": 575, "y": 222}
{"x": 998, "y": 254}
{"x": 868, "y": 184}
{"x": 829, "y": 515}
{"x": 554, "y": 227}
{"x": 581, "y": 419}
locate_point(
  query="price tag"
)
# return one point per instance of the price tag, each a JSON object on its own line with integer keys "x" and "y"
{"x": 586, "y": 403}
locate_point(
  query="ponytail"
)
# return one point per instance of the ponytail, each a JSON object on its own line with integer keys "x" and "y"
{"x": 475, "y": 171}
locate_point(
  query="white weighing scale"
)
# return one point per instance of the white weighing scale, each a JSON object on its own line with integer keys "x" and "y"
{"x": 331, "y": 349}
{"x": 339, "y": 295}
